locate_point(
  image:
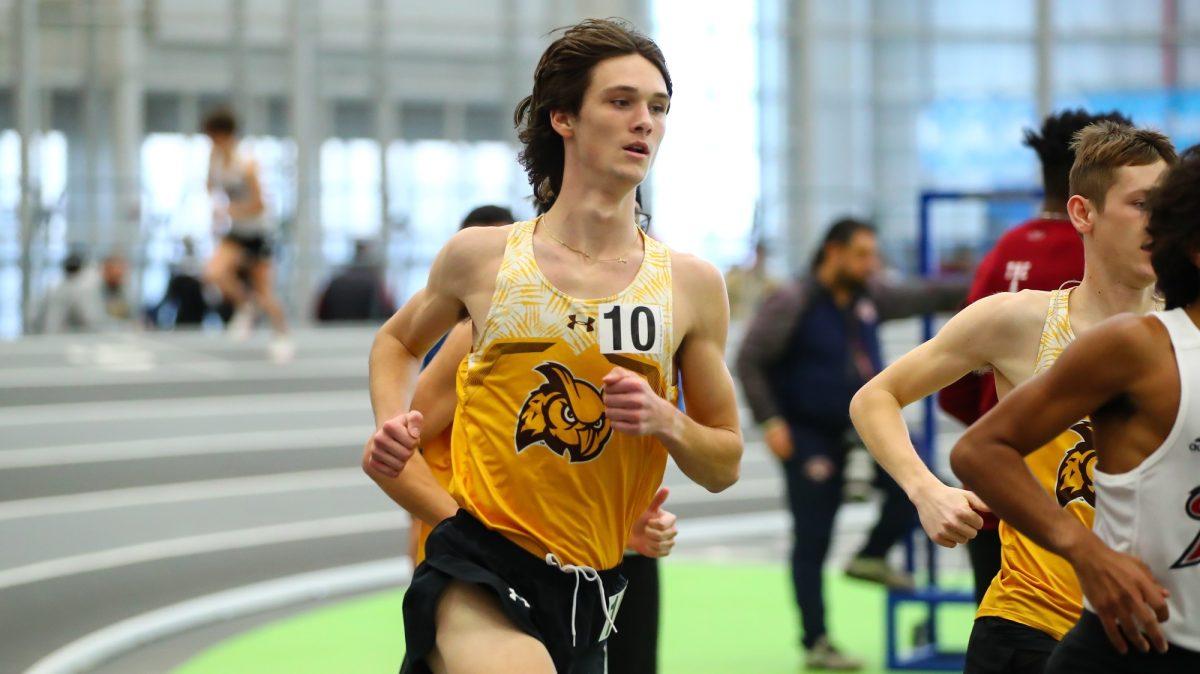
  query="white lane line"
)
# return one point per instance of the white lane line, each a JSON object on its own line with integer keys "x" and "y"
{"x": 290, "y": 532}
{"x": 258, "y": 404}
{"x": 36, "y": 377}
{"x": 319, "y": 339}
{"x": 204, "y": 543}
{"x": 178, "y": 492}
{"x": 700, "y": 530}
{"x": 187, "y": 445}
{"x": 219, "y": 443}
{"x": 273, "y": 483}
{"x": 193, "y": 358}
{"x": 89, "y": 651}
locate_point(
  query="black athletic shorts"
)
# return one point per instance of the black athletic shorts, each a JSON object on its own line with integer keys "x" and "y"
{"x": 254, "y": 246}
{"x": 633, "y": 648}
{"x": 562, "y": 609}
{"x": 1086, "y": 648}
{"x": 999, "y": 646}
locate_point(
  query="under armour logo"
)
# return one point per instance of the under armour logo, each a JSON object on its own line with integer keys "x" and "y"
{"x": 589, "y": 323}
{"x": 1015, "y": 272}
{"x": 1195, "y": 445}
{"x": 513, "y": 596}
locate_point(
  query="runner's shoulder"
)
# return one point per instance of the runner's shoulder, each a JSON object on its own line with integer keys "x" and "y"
{"x": 696, "y": 272}
{"x": 1133, "y": 335}
{"x": 1007, "y": 315}
{"x": 474, "y": 245}
{"x": 699, "y": 290}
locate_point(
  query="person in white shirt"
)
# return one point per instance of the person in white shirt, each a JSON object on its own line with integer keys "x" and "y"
{"x": 240, "y": 214}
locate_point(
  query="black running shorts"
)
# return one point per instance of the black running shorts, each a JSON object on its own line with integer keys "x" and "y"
{"x": 254, "y": 246}
{"x": 1086, "y": 648}
{"x": 560, "y": 608}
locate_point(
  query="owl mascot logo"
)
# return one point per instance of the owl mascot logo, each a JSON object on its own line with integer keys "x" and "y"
{"x": 565, "y": 414}
{"x": 1076, "y": 469}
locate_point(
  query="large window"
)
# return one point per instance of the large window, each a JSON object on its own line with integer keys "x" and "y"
{"x": 10, "y": 234}
{"x": 1105, "y": 55}
{"x": 49, "y": 236}
{"x": 176, "y": 204}
{"x": 435, "y": 183}
{"x": 706, "y": 178}
{"x": 432, "y": 185}
{"x": 350, "y": 184}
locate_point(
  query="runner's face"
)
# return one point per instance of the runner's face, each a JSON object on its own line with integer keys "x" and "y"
{"x": 1120, "y": 229}
{"x": 622, "y": 119}
{"x": 222, "y": 141}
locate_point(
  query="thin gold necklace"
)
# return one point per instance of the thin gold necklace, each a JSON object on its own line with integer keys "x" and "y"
{"x": 587, "y": 256}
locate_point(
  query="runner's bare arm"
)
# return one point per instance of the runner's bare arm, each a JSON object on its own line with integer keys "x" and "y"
{"x": 435, "y": 399}
{"x": 395, "y": 359}
{"x": 413, "y": 488}
{"x": 210, "y": 182}
{"x": 1102, "y": 364}
{"x": 706, "y": 442}
{"x": 252, "y": 206}
{"x": 435, "y": 396}
{"x": 415, "y": 327}
{"x": 961, "y": 346}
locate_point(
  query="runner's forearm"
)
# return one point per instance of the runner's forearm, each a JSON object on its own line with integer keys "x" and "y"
{"x": 709, "y": 456}
{"x": 393, "y": 374}
{"x": 878, "y": 419}
{"x": 415, "y": 490}
{"x": 999, "y": 476}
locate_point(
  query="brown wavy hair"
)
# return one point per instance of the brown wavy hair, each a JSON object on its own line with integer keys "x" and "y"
{"x": 559, "y": 82}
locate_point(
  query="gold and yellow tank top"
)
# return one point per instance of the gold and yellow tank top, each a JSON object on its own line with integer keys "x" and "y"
{"x": 1036, "y": 587}
{"x": 436, "y": 451}
{"x": 533, "y": 455}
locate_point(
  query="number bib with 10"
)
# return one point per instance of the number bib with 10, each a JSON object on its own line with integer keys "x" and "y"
{"x": 630, "y": 328}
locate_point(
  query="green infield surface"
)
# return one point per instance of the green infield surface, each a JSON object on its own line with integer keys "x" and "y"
{"x": 717, "y": 618}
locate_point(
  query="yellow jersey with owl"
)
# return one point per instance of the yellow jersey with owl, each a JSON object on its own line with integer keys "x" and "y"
{"x": 436, "y": 452}
{"x": 533, "y": 455}
{"x": 1036, "y": 587}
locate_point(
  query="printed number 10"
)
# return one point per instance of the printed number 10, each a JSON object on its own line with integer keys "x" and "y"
{"x": 641, "y": 325}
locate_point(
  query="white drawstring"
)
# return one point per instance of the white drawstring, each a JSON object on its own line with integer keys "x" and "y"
{"x": 589, "y": 574}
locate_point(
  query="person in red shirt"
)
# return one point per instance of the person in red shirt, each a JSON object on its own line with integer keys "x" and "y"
{"x": 1043, "y": 253}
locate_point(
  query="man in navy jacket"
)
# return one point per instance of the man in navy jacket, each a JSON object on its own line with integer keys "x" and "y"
{"x": 810, "y": 347}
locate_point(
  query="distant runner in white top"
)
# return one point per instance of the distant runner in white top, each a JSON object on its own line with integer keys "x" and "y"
{"x": 239, "y": 216}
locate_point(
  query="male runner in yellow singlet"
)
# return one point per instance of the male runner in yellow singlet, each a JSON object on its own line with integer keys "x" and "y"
{"x": 566, "y": 410}
{"x": 1035, "y": 599}
{"x": 653, "y": 533}
{"x": 1135, "y": 377}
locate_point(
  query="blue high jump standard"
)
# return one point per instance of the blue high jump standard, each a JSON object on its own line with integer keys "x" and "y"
{"x": 931, "y": 655}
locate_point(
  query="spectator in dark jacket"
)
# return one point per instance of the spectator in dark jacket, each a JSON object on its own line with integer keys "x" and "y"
{"x": 183, "y": 303}
{"x": 810, "y": 346}
{"x": 358, "y": 292}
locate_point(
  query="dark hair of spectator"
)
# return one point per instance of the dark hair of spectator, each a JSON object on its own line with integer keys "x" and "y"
{"x": 1052, "y": 143}
{"x": 839, "y": 234}
{"x": 487, "y": 215}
